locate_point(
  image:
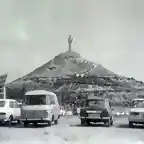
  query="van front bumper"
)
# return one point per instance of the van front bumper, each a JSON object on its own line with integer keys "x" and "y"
{"x": 35, "y": 120}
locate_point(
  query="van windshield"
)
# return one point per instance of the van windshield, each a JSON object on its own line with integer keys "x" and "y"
{"x": 35, "y": 100}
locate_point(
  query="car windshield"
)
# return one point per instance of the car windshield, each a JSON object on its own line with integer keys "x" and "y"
{"x": 140, "y": 105}
{"x": 35, "y": 100}
{"x": 2, "y": 103}
{"x": 135, "y": 103}
{"x": 95, "y": 103}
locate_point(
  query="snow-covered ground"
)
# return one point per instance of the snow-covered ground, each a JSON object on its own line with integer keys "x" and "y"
{"x": 68, "y": 131}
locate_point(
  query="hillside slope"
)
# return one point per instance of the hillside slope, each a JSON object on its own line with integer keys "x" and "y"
{"x": 69, "y": 71}
{"x": 67, "y": 64}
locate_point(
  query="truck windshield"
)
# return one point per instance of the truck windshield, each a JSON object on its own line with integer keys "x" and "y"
{"x": 35, "y": 100}
{"x": 95, "y": 103}
{"x": 2, "y": 103}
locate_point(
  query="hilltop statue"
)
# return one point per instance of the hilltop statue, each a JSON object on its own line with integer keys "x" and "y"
{"x": 70, "y": 39}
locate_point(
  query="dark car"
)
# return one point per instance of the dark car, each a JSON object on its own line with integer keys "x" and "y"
{"x": 96, "y": 110}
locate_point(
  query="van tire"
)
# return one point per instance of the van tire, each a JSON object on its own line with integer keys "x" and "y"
{"x": 52, "y": 118}
{"x": 56, "y": 121}
{"x": 49, "y": 123}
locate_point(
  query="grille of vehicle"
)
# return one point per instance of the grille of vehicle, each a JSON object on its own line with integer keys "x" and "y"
{"x": 34, "y": 114}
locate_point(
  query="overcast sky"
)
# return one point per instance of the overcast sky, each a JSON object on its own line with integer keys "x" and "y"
{"x": 109, "y": 32}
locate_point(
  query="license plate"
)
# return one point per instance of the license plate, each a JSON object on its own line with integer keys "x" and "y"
{"x": 94, "y": 115}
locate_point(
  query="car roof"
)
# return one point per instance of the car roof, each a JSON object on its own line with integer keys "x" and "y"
{"x": 39, "y": 92}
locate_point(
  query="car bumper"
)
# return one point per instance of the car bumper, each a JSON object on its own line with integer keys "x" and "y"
{"x": 135, "y": 119}
{"x": 4, "y": 118}
{"x": 95, "y": 119}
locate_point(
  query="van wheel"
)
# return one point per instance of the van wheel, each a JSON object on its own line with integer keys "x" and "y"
{"x": 25, "y": 124}
{"x": 35, "y": 124}
{"x": 56, "y": 121}
{"x": 49, "y": 123}
{"x": 53, "y": 118}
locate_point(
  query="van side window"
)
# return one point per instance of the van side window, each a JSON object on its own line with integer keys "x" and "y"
{"x": 52, "y": 100}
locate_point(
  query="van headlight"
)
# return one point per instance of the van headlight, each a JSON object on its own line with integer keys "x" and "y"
{"x": 47, "y": 112}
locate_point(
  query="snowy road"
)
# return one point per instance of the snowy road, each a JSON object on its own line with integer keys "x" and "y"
{"x": 68, "y": 131}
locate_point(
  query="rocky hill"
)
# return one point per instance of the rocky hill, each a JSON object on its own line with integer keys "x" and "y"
{"x": 67, "y": 64}
{"x": 69, "y": 71}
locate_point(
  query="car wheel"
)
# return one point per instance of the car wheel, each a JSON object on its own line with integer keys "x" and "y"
{"x": 82, "y": 121}
{"x": 10, "y": 120}
{"x": 35, "y": 123}
{"x": 18, "y": 121}
{"x": 130, "y": 124}
{"x": 87, "y": 122}
{"x": 25, "y": 124}
{"x": 111, "y": 121}
{"x": 108, "y": 123}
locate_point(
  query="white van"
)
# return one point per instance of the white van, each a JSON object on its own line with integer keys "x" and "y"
{"x": 40, "y": 106}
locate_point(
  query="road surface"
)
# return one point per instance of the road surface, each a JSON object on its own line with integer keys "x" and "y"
{"x": 69, "y": 131}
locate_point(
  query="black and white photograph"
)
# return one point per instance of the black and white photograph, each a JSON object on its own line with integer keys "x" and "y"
{"x": 71, "y": 71}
